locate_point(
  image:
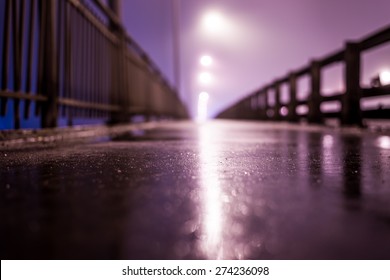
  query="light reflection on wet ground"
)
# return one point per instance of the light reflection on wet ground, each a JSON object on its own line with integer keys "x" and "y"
{"x": 219, "y": 190}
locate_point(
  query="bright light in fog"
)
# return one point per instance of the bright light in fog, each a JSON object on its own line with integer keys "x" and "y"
{"x": 384, "y": 77}
{"x": 383, "y": 142}
{"x": 213, "y": 21}
{"x": 206, "y": 60}
{"x": 205, "y": 77}
{"x": 202, "y": 105}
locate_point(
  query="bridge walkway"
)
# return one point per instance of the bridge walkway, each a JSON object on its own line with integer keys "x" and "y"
{"x": 182, "y": 190}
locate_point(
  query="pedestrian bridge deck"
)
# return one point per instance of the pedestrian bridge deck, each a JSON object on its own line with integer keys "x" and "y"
{"x": 181, "y": 190}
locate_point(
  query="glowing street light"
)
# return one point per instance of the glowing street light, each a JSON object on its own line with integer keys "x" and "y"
{"x": 384, "y": 77}
{"x": 206, "y": 60}
{"x": 213, "y": 21}
{"x": 205, "y": 78}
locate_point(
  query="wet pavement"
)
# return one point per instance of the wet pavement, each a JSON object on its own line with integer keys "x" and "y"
{"x": 217, "y": 190}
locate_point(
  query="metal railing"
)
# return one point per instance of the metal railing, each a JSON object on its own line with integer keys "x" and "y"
{"x": 72, "y": 59}
{"x": 257, "y": 105}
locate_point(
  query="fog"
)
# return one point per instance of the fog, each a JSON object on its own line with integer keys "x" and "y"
{"x": 252, "y": 42}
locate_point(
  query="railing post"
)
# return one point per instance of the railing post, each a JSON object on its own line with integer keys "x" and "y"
{"x": 115, "y": 6}
{"x": 292, "y": 107}
{"x": 315, "y": 96}
{"x": 258, "y": 105}
{"x": 277, "y": 106}
{"x": 49, "y": 113}
{"x": 263, "y": 104}
{"x": 118, "y": 86}
{"x": 350, "y": 112}
{"x": 266, "y": 105}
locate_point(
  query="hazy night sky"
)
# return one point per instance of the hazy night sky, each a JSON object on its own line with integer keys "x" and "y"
{"x": 260, "y": 40}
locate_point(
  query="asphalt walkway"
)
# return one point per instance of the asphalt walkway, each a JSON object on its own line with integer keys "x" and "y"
{"x": 217, "y": 190}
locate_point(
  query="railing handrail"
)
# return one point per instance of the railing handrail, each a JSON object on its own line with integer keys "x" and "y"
{"x": 137, "y": 49}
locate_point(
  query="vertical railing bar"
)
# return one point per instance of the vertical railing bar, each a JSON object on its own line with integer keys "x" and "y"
{"x": 78, "y": 58}
{"x": 79, "y": 61}
{"x": 292, "y": 109}
{"x": 258, "y": 105}
{"x": 95, "y": 70}
{"x": 92, "y": 70}
{"x": 16, "y": 59}
{"x": 102, "y": 74}
{"x": 260, "y": 102}
{"x": 86, "y": 92}
{"x": 314, "y": 101}
{"x": 83, "y": 94}
{"x": 42, "y": 19}
{"x": 124, "y": 77}
{"x": 104, "y": 93}
{"x": 49, "y": 116}
{"x": 80, "y": 86}
{"x": 72, "y": 58}
{"x": 99, "y": 60}
{"x": 90, "y": 67}
{"x": 266, "y": 102}
{"x": 112, "y": 74}
{"x": 96, "y": 60}
{"x": 119, "y": 74}
{"x": 115, "y": 72}
{"x": 22, "y": 15}
{"x": 114, "y": 77}
{"x": 127, "y": 80}
{"x": 6, "y": 40}
{"x": 124, "y": 80}
{"x": 60, "y": 47}
{"x": 30, "y": 57}
{"x": 68, "y": 60}
{"x": 117, "y": 50}
{"x": 351, "y": 112}
{"x": 277, "y": 105}
{"x": 106, "y": 74}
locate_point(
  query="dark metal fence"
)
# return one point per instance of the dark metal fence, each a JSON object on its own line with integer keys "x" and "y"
{"x": 73, "y": 59}
{"x": 257, "y": 105}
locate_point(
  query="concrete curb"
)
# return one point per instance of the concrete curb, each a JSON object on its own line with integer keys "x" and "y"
{"x": 29, "y": 138}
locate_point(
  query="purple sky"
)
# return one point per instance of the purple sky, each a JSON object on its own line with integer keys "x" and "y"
{"x": 262, "y": 41}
